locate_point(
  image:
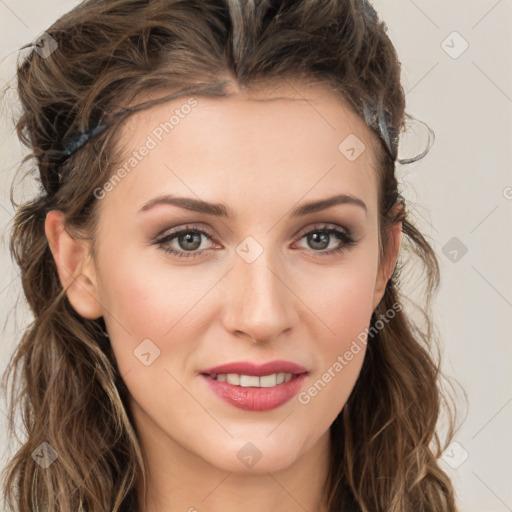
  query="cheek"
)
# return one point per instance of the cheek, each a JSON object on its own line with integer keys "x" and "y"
{"x": 157, "y": 302}
{"x": 148, "y": 297}
{"x": 346, "y": 310}
{"x": 345, "y": 307}
{"x": 343, "y": 297}
{"x": 348, "y": 299}
{"x": 343, "y": 301}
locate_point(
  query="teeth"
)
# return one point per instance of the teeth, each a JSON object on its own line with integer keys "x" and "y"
{"x": 245, "y": 381}
{"x": 267, "y": 381}
{"x": 233, "y": 378}
{"x": 249, "y": 380}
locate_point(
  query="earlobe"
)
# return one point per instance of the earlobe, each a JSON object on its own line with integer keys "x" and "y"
{"x": 388, "y": 263}
{"x": 74, "y": 265}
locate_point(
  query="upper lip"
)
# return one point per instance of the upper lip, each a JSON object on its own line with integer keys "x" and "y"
{"x": 248, "y": 368}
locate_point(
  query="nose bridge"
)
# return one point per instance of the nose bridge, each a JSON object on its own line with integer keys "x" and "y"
{"x": 260, "y": 305}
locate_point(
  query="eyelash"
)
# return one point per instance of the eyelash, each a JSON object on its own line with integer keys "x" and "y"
{"x": 347, "y": 240}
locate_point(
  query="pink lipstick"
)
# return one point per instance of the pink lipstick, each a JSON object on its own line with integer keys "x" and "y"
{"x": 255, "y": 387}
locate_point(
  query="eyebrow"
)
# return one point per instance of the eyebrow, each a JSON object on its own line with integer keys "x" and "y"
{"x": 220, "y": 210}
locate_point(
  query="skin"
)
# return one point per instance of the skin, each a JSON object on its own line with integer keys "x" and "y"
{"x": 260, "y": 159}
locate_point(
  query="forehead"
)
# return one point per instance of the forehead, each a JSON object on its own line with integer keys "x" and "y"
{"x": 292, "y": 137}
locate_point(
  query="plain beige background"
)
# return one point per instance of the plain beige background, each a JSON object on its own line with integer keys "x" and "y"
{"x": 460, "y": 196}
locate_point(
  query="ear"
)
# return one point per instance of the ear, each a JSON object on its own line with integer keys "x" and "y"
{"x": 75, "y": 266}
{"x": 387, "y": 265}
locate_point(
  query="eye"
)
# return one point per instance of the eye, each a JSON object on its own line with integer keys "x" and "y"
{"x": 188, "y": 240}
{"x": 320, "y": 237}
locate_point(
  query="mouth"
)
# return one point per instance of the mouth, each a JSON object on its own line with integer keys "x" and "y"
{"x": 253, "y": 381}
{"x": 249, "y": 369}
{"x": 256, "y": 387}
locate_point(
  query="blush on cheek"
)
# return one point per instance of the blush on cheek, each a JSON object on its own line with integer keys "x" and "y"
{"x": 348, "y": 316}
{"x": 149, "y": 305}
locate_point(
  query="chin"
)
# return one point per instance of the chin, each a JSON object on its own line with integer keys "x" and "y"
{"x": 253, "y": 457}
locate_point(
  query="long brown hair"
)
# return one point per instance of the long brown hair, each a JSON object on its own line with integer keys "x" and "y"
{"x": 65, "y": 380}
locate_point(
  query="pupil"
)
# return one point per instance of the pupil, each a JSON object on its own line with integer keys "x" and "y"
{"x": 191, "y": 238}
{"x": 322, "y": 238}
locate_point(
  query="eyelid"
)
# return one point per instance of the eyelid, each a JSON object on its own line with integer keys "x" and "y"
{"x": 178, "y": 229}
{"x": 183, "y": 227}
{"x": 338, "y": 230}
{"x": 320, "y": 226}
{"x": 297, "y": 236}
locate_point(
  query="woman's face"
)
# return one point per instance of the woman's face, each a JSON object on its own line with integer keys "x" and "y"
{"x": 256, "y": 279}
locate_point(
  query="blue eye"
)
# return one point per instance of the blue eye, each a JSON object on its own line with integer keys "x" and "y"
{"x": 189, "y": 241}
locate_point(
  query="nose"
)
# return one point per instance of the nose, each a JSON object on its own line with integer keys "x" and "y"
{"x": 260, "y": 303}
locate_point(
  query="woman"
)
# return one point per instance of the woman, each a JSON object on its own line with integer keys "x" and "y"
{"x": 212, "y": 266}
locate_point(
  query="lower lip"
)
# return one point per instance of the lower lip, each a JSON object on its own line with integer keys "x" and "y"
{"x": 256, "y": 399}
